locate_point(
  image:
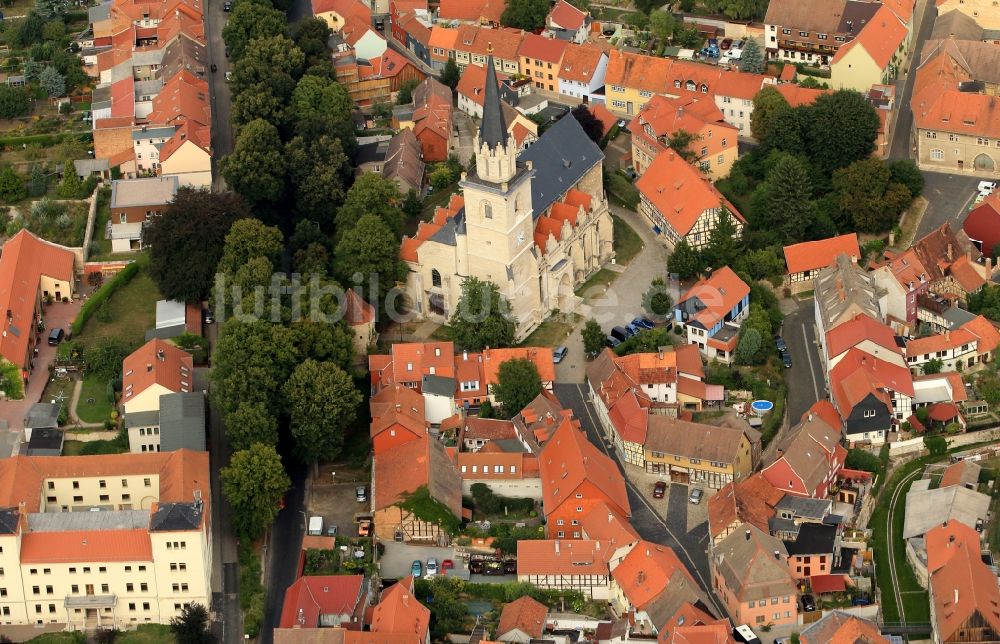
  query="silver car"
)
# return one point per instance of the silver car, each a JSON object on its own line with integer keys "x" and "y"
{"x": 361, "y": 494}
{"x": 695, "y": 496}
{"x": 558, "y": 354}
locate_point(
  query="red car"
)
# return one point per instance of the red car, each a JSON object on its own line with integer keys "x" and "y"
{"x": 726, "y": 44}
{"x": 447, "y": 564}
{"x": 659, "y": 489}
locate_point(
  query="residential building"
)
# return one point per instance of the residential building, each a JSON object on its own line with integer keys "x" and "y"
{"x": 814, "y": 32}
{"x": 866, "y": 334}
{"x": 365, "y": 43}
{"x": 903, "y": 281}
{"x": 875, "y": 56}
{"x": 475, "y": 45}
{"x": 327, "y": 601}
{"x": 954, "y": 103}
{"x": 809, "y": 459}
{"x": 360, "y": 315}
{"x": 805, "y": 259}
{"x": 815, "y": 551}
{"x": 954, "y": 349}
{"x": 484, "y": 12}
{"x": 952, "y": 262}
{"x": 840, "y": 292}
{"x": 928, "y": 508}
{"x": 710, "y": 312}
{"x": 965, "y": 599}
{"x": 582, "y": 72}
{"x": 521, "y": 621}
{"x": 838, "y": 627}
{"x": 540, "y": 57}
{"x": 495, "y": 453}
{"x": 413, "y": 467}
{"x": 982, "y": 225}
{"x": 142, "y": 558}
{"x": 793, "y": 512}
{"x": 397, "y": 417}
{"x": 154, "y": 369}
{"x": 565, "y": 565}
{"x": 964, "y": 473}
{"x": 175, "y": 318}
{"x": 568, "y": 23}
{"x": 368, "y": 80}
{"x": 576, "y": 477}
{"x": 139, "y": 200}
{"x": 471, "y": 97}
{"x": 399, "y": 616}
{"x": 871, "y": 395}
{"x": 681, "y": 204}
{"x": 542, "y": 233}
{"x": 442, "y": 45}
{"x": 432, "y": 120}
{"x": 336, "y": 13}
{"x": 179, "y": 423}
{"x": 750, "y": 501}
{"x": 413, "y": 30}
{"x": 696, "y": 454}
{"x": 32, "y": 270}
{"x": 750, "y": 575}
{"x": 981, "y": 11}
{"x": 714, "y": 142}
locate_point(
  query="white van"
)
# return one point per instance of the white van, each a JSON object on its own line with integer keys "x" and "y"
{"x": 315, "y": 526}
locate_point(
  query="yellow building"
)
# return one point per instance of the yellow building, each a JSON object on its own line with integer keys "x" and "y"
{"x": 154, "y": 369}
{"x": 874, "y": 57}
{"x": 700, "y": 454}
{"x": 104, "y": 541}
{"x": 984, "y": 12}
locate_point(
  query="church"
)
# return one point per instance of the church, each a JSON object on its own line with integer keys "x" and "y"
{"x": 535, "y": 222}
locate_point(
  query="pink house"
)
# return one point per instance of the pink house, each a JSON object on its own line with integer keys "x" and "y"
{"x": 750, "y": 575}
{"x": 811, "y": 457}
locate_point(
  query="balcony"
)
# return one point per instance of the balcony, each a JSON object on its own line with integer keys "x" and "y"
{"x": 91, "y": 601}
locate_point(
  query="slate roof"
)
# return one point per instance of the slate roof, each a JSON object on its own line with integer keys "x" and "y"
{"x": 182, "y": 421}
{"x": 142, "y": 419}
{"x": 813, "y": 539}
{"x": 493, "y": 130}
{"x": 43, "y": 415}
{"x": 9, "y": 520}
{"x": 560, "y": 158}
{"x": 438, "y": 385}
{"x": 171, "y": 517}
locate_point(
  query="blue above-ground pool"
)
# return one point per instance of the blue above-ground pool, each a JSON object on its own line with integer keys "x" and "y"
{"x": 761, "y": 407}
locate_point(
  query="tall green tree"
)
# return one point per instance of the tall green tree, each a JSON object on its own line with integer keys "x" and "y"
{"x": 322, "y": 107}
{"x": 405, "y": 95}
{"x": 192, "y": 626}
{"x": 684, "y": 260}
{"x": 842, "y": 129}
{"x": 518, "y": 383}
{"x": 723, "y": 241}
{"x": 14, "y": 101}
{"x": 322, "y": 403}
{"x": 866, "y": 195}
{"x": 370, "y": 248}
{"x": 52, "y": 82}
{"x": 318, "y": 170}
{"x": 249, "y": 423}
{"x": 906, "y": 172}
{"x": 657, "y": 300}
{"x": 258, "y": 101}
{"x": 51, "y": 8}
{"x": 450, "y": 75}
{"x": 482, "y": 317}
{"x": 12, "y": 186}
{"x": 528, "y": 15}
{"x": 662, "y": 24}
{"x": 249, "y": 21}
{"x": 252, "y": 362}
{"x": 752, "y": 59}
{"x": 274, "y": 62}
{"x": 186, "y": 242}
{"x": 755, "y": 334}
{"x": 254, "y": 484}
{"x": 310, "y": 36}
{"x": 70, "y": 187}
{"x": 249, "y": 238}
{"x": 372, "y": 194}
{"x": 593, "y": 337}
{"x": 767, "y": 104}
{"x": 256, "y": 168}
{"x": 783, "y": 201}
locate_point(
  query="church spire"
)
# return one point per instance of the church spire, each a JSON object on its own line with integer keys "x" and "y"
{"x": 493, "y": 131}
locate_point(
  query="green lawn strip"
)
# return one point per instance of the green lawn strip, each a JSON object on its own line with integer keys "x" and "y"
{"x": 551, "y": 332}
{"x": 62, "y": 637}
{"x": 603, "y": 277}
{"x": 147, "y": 634}
{"x": 96, "y": 389}
{"x": 129, "y": 313}
{"x": 628, "y": 244}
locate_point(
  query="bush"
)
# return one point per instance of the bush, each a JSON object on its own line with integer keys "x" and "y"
{"x": 196, "y": 345}
{"x": 46, "y": 140}
{"x": 103, "y": 295}
{"x": 489, "y": 503}
{"x": 860, "y": 459}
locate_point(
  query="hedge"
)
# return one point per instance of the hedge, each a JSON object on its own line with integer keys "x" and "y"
{"x": 102, "y": 295}
{"x": 44, "y": 140}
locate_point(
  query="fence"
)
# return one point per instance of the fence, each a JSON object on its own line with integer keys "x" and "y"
{"x": 915, "y": 445}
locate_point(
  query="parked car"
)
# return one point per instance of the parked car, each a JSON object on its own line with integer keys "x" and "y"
{"x": 417, "y": 568}
{"x": 987, "y": 187}
{"x": 633, "y": 328}
{"x": 447, "y": 564}
{"x": 215, "y": 67}
{"x": 493, "y": 568}
{"x": 808, "y": 603}
{"x": 559, "y": 354}
{"x": 711, "y": 49}
{"x": 726, "y": 44}
{"x": 56, "y": 336}
{"x": 612, "y": 341}
{"x": 229, "y": 76}
{"x": 432, "y": 566}
{"x": 695, "y": 496}
{"x": 477, "y": 567}
{"x": 643, "y": 323}
{"x": 364, "y": 527}
{"x": 510, "y": 567}
{"x": 780, "y": 343}
{"x": 331, "y": 530}
{"x": 228, "y": 6}
{"x": 621, "y": 333}
{"x": 786, "y": 359}
{"x": 659, "y": 489}
{"x": 630, "y": 173}
{"x": 360, "y": 494}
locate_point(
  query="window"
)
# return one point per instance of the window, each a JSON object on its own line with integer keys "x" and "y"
{"x": 144, "y": 587}
{"x": 129, "y": 588}
{"x": 105, "y": 588}
{"x": 786, "y": 32}
{"x": 804, "y": 34}
{"x": 618, "y": 104}
{"x": 105, "y": 497}
{"x": 147, "y": 482}
{"x": 77, "y": 499}
{"x": 560, "y": 534}
{"x": 869, "y": 413}
{"x": 436, "y": 278}
{"x": 75, "y": 589}
{"x": 52, "y": 485}
{"x": 953, "y": 138}
{"x": 645, "y": 93}
{"x": 35, "y": 590}
{"x": 131, "y": 606}
{"x": 145, "y": 605}
{"x": 102, "y": 484}
{"x": 750, "y": 604}
{"x": 124, "y": 482}
{"x": 76, "y": 485}
{"x": 487, "y": 210}
{"x": 821, "y": 36}
{"x": 48, "y": 590}
{"x": 617, "y": 88}
{"x": 126, "y": 497}
{"x": 72, "y": 571}
{"x": 931, "y": 135}
{"x": 982, "y": 141}
{"x": 937, "y": 154}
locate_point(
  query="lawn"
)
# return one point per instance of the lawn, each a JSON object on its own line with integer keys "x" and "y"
{"x": 603, "y": 277}
{"x": 100, "y": 245}
{"x": 552, "y": 331}
{"x": 58, "y": 389}
{"x": 147, "y": 634}
{"x": 96, "y": 389}
{"x": 128, "y": 314}
{"x": 118, "y": 445}
{"x": 63, "y": 637}
{"x": 628, "y": 244}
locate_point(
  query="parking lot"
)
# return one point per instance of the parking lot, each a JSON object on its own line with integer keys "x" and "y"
{"x": 397, "y": 561}
{"x": 336, "y": 503}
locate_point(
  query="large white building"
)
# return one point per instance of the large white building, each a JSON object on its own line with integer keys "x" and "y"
{"x": 102, "y": 541}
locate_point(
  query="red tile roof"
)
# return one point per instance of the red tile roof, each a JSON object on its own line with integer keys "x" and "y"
{"x": 680, "y": 193}
{"x": 719, "y": 293}
{"x": 940, "y": 342}
{"x": 188, "y": 131}
{"x": 604, "y": 524}
{"x": 963, "y": 587}
{"x": 943, "y": 541}
{"x": 398, "y": 612}
{"x": 86, "y": 545}
{"x": 405, "y": 468}
{"x": 857, "y": 375}
{"x": 580, "y": 62}
{"x": 474, "y": 11}
{"x": 827, "y": 583}
{"x": 562, "y": 557}
{"x": 814, "y": 255}
{"x": 310, "y": 597}
{"x": 345, "y": 8}
{"x": 356, "y": 310}
{"x": 472, "y": 84}
{"x": 183, "y": 97}
{"x": 858, "y": 329}
{"x": 524, "y": 614}
{"x": 937, "y": 102}
{"x": 540, "y": 356}
{"x": 568, "y": 460}
{"x": 750, "y": 501}
{"x": 157, "y": 362}
{"x": 645, "y": 572}
{"x": 549, "y": 50}
{"x": 566, "y": 16}
{"x": 983, "y": 223}
{"x": 986, "y": 331}
{"x": 24, "y": 260}
{"x": 679, "y": 77}
{"x": 881, "y": 38}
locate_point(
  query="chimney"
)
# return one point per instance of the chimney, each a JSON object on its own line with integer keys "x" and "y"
{"x": 810, "y": 417}
{"x": 777, "y": 555}
{"x": 951, "y": 254}
{"x": 160, "y": 355}
{"x": 465, "y": 355}
{"x": 956, "y": 596}
{"x": 748, "y": 535}
{"x": 671, "y": 153}
{"x": 557, "y": 546}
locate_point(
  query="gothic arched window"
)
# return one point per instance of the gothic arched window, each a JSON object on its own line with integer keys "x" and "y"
{"x": 487, "y": 210}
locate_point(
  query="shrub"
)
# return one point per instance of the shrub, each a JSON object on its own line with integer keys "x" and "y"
{"x": 103, "y": 295}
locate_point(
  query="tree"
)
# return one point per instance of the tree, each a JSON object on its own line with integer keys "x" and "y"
{"x": 54, "y": 30}
{"x": 936, "y": 445}
{"x": 405, "y": 95}
{"x": 318, "y": 170}
{"x": 249, "y": 238}
{"x": 752, "y": 60}
{"x": 70, "y": 66}
{"x": 932, "y": 366}
{"x": 372, "y": 194}
{"x": 104, "y": 356}
{"x": 256, "y": 167}
{"x": 755, "y": 332}
{"x": 71, "y": 186}
{"x": 321, "y": 106}
{"x": 310, "y": 36}
{"x": 748, "y": 348}
{"x": 518, "y": 383}
{"x": 252, "y": 361}
{"x": 906, "y": 172}
{"x": 11, "y": 185}
{"x": 38, "y": 180}
{"x": 482, "y": 317}
{"x": 763, "y": 263}
{"x": 680, "y": 142}
{"x": 51, "y": 8}
{"x": 657, "y": 300}
{"x": 52, "y": 82}
{"x": 450, "y": 75}
{"x": 251, "y": 423}
{"x": 370, "y": 248}
{"x": 528, "y": 15}
{"x": 324, "y": 341}
{"x": 412, "y": 205}
{"x": 593, "y": 337}
{"x": 662, "y": 23}
{"x": 638, "y": 20}
{"x": 322, "y": 402}
{"x": 274, "y": 61}
{"x": 767, "y": 104}
{"x": 32, "y": 70}
{"x": 441, "y": 177}
{"x": 783, "y": 201}
{"x": 723, "y": 241}
{"x": 842, "y": 127}
{"x": 249, "y": 21}
{"x": 590, "y": 123}
{"x": 862, "y": 459}
{"x": 986, "y": 302}
{"x": 186, "y": 243}
{"x": 866, "y": 196}
{"x": 192, "y": 625}
{"x": 258, "y": 101}
{"x": 685, "y": 261}
{"x": 254, "y": 484}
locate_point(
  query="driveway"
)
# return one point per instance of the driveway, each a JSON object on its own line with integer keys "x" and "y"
{"x": 947, "y": 195}
{"x": 806, "y": 382}
{"x": 664, "y": 527}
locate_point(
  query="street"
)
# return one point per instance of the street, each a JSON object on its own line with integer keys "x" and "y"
{"x": 284, "y": 545}
{"x": 806, "y": 383}
{"x": 924, "y": 14}
{"x": 946, "y": 196}
{"x": 222, "y": 128}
